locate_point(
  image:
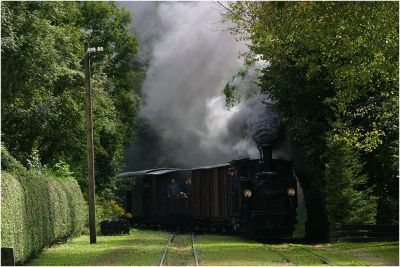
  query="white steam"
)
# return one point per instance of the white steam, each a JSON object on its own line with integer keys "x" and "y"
{"x": 191, "y": 60}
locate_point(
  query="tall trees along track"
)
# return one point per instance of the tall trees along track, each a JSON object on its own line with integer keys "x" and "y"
{"x": 180, "y": 250}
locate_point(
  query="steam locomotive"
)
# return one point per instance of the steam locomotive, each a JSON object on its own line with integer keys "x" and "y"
{"x": 255, "y": 197}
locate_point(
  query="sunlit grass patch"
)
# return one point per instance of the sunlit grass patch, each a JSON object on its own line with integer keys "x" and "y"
{"x": 376, "y": 253}
{"x": 227, "y": 250}
{"x": 294, "y": 255}
{"x": 139, "y": 248}
{"x": 145, "y": 247}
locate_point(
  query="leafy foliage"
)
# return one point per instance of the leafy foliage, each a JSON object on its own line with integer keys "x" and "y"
{"x": 9, "y": 163}
{"x": 230, "y": 90}
{"x": 43, "y": 107}
{"x": 38, "y": 210}
{"x": 334, "y": 75}
{"x": 148, "y": 150}
{"x": 110, "y": 210}
{"x": 346, "y": 186}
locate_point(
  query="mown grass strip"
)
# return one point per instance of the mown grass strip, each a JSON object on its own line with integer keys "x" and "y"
{"x": 141, "y": 247}
{"x": 228, "y": 250}
{"x": 234, "y": 251}
{"x": 144, "y": 247}
{"x": 372, "y": 253}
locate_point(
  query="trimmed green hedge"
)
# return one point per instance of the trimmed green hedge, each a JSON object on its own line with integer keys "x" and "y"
{"x": 38, "y": 210}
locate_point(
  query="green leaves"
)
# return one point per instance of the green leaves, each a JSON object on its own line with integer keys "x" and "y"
{"x": 334, "y": 73}
{"x": 346, "y": 185}
{"x": 43, "y": 107}
{"x": 38, "y": 211}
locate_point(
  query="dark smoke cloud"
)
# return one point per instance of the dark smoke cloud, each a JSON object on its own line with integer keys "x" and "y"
{"x": 190, "y": 60}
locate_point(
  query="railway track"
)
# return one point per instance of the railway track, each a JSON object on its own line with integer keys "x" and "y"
{"x": 164, "y": 255}
{"x": 286, "y": 259}
{"x": 315, "y": 255}
{"x": 167, "y": 251}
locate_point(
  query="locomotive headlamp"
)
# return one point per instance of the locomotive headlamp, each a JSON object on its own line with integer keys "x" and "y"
{"x": 291, "y": 192}
{"x": 247, "y": 193}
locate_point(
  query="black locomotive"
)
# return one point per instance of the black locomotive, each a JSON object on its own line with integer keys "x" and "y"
{"x": 255, "y": 197}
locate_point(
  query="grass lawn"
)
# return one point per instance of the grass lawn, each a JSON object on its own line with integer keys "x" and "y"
{"x": 141, "y": 247}
{"x": 228, "y": 250}
{"x": 145, "y": 247}
{"x": 376, "y": 253}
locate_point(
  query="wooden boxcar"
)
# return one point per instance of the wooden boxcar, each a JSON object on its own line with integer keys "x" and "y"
{"x": 212, "y": 195}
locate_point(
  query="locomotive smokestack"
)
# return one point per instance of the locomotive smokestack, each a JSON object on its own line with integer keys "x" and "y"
{"x": 265, "y": 131}
{"x": 266, "y": 151}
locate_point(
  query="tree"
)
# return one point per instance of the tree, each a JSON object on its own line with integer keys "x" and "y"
{"x": 43, "y": 105}
{"x": 334, "y": 75}
{"x": 114, "y": 86}
{"x": 40, "y": 73}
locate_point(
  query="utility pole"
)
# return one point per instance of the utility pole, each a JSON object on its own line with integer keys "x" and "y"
{"x": 89, "y": 122}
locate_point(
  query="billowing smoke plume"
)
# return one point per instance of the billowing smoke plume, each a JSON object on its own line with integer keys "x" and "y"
{"x": 190, "y": 60}
{"x": 263, "y": 125}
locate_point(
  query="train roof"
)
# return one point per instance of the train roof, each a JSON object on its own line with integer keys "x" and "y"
{"x": 211, "y": 166}
{"x": 143, "y": 173}
{"x": 160, "y": 171}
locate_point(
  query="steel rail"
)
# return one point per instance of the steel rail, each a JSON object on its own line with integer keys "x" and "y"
{"x": 324, "y": 261}
{"x": 164, "y": 255}
{"x": 196, "y": 260}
